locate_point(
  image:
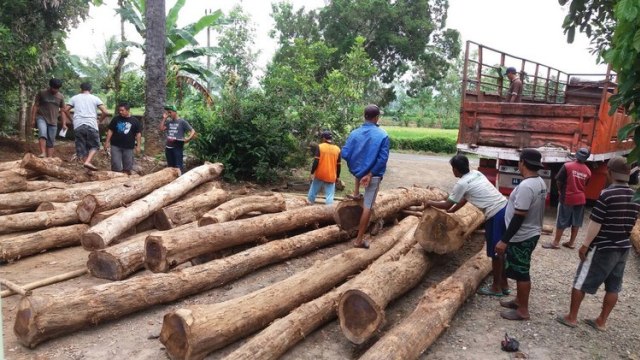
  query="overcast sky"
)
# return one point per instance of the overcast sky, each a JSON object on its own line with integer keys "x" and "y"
{"x": 526, "y": 28}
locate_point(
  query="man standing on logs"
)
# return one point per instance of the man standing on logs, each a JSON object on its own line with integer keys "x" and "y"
{"x": 176, "y": 129}
{"x": 85, "y": 126}
{"x": 605, "y": 249}
{"x": 124, "y": 135}
{"x": 366, "y": 153}
{"x": 572, "y": 180}
{"x": 524, "y": 216}
{"x": 475, "y": 188}
{"x": 325, "y": 170}
{"x": 44, "y": 116}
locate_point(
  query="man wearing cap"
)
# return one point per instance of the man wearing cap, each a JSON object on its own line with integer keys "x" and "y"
{"x": 606, "y": 245}
{"x": 523, "y": 218}
{"x": 515, "y": 88}
{"x": 175, "y": 128}
{"x": 44, "y": 115}
{"x": 325, "y": 170}
{"x": 366, "y": 153}
{"x": 572, "y": 180}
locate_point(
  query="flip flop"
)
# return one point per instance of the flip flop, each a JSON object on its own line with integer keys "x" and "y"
{"x": 363, "y": 245}
{"x": 550, "y": 246}
{"x": 354, "y": 197}
{"x": 512, "y": 315}
{"x": 510, "y": 304}
{"x": 506, "y": 291}
{"x": 593, "y": 324}
{"x": 485, "y": 290}
{"x": 568, "y": 245}
{"x": 90, "y": 167}
{"x": 564, "y": 322}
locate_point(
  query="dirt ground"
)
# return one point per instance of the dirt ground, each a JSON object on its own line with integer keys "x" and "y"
{"x": 475, "y": 332}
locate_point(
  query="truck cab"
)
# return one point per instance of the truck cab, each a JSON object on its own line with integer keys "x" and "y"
{"x": 559, "y": 113}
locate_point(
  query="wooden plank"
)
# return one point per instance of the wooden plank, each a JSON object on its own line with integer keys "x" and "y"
{"x": 526, "y": 109}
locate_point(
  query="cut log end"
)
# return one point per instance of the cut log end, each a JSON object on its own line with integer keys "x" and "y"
{"x": 348, "y": 214}
{"x": 24, "y": 327}
{"x": 161, "y": 220}
{"x": 104, "y": 266}
{"x": 174, "y": 334}
{"x": 154, "y": 252}
{"x": 207, "y": 220}
{"x": 86, "y": 208}
{"x": 360, "y": 317}
{"x": 91, "y": 241}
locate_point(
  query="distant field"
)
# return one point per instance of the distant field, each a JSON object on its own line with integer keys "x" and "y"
{"x": 401, "y": 132}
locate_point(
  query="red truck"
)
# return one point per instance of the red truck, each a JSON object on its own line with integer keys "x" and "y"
{"x": 559, "y": 114}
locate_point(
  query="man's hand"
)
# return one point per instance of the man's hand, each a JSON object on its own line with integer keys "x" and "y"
{"x": 137, "y": 149}
{"x": 501, "y": 247}
{"x": 107, "y": 147}
{"x": 365, "y": 180}
{"x": 582, "y": 252}
{"x": 64, "y": 125}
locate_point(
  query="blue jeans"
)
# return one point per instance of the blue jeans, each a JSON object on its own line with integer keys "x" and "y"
{"x": 329, "y": 191}
{"x": 174, "y": 157}
{"x": 46, "y": 131}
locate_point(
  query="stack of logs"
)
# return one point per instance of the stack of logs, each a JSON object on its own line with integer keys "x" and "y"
{"x": 162, "y": 220}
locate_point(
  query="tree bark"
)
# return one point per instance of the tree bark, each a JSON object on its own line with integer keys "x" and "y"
{"x": 188, "y": 210}
{"x": 193, "y": 332}
{"x": 12, "y": 182}
{"x": 119, "y": 261}
{"x": 124, "y": 193}
{"x": 145, "y": 225}
{"x": 43, "y": 317}
{"x": 635, "y": 237}
{"x": 433, "y": 314}
{"x": 34, "y": 243}
{"x": 295, "y": 202}
{"x": 38, "y": 185}
{"x": 284, "y": 333}
{"x": 25, "y": 199}
{"x": 49, "y": 206}
{"x": 441, "y": 232}
{"x": 387, "y": 204}
{"x": 38, "y": 220}
{"x": 102, "y": 234}
{"x": 156, "y": 75}
{"x": 31, "y": 162}
{"x": 8, "y": 165}
{"x": 172, "y": 248}
{"x": 232, "y": 209}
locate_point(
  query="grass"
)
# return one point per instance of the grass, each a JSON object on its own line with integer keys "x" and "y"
{"x": 401, "y": 132}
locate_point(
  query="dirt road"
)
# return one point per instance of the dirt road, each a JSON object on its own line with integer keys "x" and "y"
{"x": 475, "y": 333}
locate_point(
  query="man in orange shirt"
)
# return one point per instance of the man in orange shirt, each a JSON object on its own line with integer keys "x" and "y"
{"x": 325, "y": 170}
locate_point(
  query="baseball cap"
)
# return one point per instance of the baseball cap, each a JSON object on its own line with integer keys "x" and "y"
{"x": 583, "y": 154}
{"x": 326, "y": 134}
{"x": 532, "y": 157}
{"x": 511, "y": 70}
{"x": 371, "y": 111}
{"x": 619, "y": 168}
{"x": 171, "y": 107}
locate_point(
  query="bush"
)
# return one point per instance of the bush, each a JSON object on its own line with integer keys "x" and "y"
{"x": 435, "y": 144}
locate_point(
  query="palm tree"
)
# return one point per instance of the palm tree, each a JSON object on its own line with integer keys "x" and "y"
{"x": 156, "y": 74}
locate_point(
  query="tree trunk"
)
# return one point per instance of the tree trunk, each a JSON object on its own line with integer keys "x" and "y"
{"x": 295, "y": 202}
{"x": 144, "y": 225}
{"x": 49, "y": 206}
{"x": 31, "y": 162}
{"x": 188, "y": 210}
{"x": 22, "y": 121}
{"x": 25, "y": 199}
{"x": 387, "y": 204}
{"x": 433, "y": 314}
{"x": 119, "y": 261}
{"x": 34, "y": 243}
{"x": 8, "y": 165}
{"x": 201, "y": 189}
{"x": 635, "y": 237}
{"x": 124, "y": 193}
{"x": 12, "y": 182}
{"x": 172, "y": 248}
{"x": 155, "y": 75}
{"x": 231, "y": 210}
{"x": 284, "y": 333}
{"x": 48, "y": 185}
{"x": 42, "y": 317}
{"x": 38, "y": 220}
{"x": 193, "y": 332}
{"x": 102, "y": 234}
{"x": 441, "y": 232}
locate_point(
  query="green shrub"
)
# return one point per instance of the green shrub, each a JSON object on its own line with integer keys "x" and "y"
{"x": 435, "y": 144}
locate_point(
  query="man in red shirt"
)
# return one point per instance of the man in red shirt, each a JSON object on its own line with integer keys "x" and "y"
{"x": 572, "y": 180}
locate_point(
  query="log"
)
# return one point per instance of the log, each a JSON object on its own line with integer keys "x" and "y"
{"x": 49, "y": 206}
{"x": 232, "y": 209}
{"x": 171, "y": 248}
{"x": 203, "y": 188}
{"x": 34, "y": 243}
{"x": 27, "y": 174}
{"x": 42, "y": 166}
{"x": 42, "y": 317}
{"x": 284, "y": 333}
{"x": 102, "y": 234}
{"x": 193, "y": 332}
{"x": 548, "y": 229}
{"x": 295, "y": 201}
{"x": 37, "y": 185}
{"x": 441, "y": 232}
{"x": 635, "y": 236}
{"x": 37, "y": 220}
{"x": 433, "y": 313}
{"x": 145, "y": 225}
{"x": 124, "y": 193}
{"x": 388, "y": 204}
{"x": 12, "y": 182}
{"x": 47, "y": 281}
{"x": 119, "y": 261}
{"x": 8, "y": 165}
{"x": 188, "y": 210}
{"x": 15, "y": 287}
{"x": 17, "y": 210}
{"x": 25, "y": 199}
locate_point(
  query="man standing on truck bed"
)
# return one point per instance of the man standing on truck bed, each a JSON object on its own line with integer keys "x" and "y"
{"x": 572, "y": 180}
{"x": 515, "y": 88}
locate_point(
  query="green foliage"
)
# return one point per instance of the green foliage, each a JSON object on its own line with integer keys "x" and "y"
{"x": 132, "y": 89}
{"x": 422, "y": 139}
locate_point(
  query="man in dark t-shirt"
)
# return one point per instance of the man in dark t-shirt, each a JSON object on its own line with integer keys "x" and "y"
{"x": 515, "y": 87}
{"x": 124, "y": 135}
{"x": 44, "y": 115}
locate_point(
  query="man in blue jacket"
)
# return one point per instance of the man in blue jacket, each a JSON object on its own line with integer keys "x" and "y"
{"x": 366, "y": 153}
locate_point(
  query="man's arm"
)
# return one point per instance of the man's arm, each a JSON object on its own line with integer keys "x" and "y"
{"x": 138, "y": 142}
{"x": 107, "y": 141}
{"x": 163, "y": 123}
{"x": 512, "y": 229}
{"x": 382, "y": 158}
{"x": 104, "y": 112}
{"x": 338, "y": 167}
{"x": 67, "y": 110}
{"x": 34, "y": 111}
{"x": 192, "y": 133}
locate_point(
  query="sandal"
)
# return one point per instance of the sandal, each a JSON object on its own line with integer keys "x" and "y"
{"x": 593, "y": 324}
{"x": 512, "y": 315}
{"x": 354, "y": 197}
{"x": 362, "y": 245}
{"x": 568, "y": 245}
{"x": 564, "y": 322}
{"x": 510, "y": 304}
{"x": 506, "y": 292}
{"x": 550, "y": 246}
{"x": 90, "y": 167}
{"x": 486, "y": 290}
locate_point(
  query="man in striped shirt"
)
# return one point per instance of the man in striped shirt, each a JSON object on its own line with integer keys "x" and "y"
{"x": 605, "y": 249}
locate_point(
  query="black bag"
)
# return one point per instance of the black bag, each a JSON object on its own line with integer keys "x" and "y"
{"x": 510, "y": 344}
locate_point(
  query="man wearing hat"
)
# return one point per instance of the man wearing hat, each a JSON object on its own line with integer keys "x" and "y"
{"x": 515, "y": 88}
{"x": 523, "y": 217}
{"x": 572, "y": 180}
{"x": 606, "y": 245}
{"x": 325, "y": 170}
{"x": 175, "y": 128}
